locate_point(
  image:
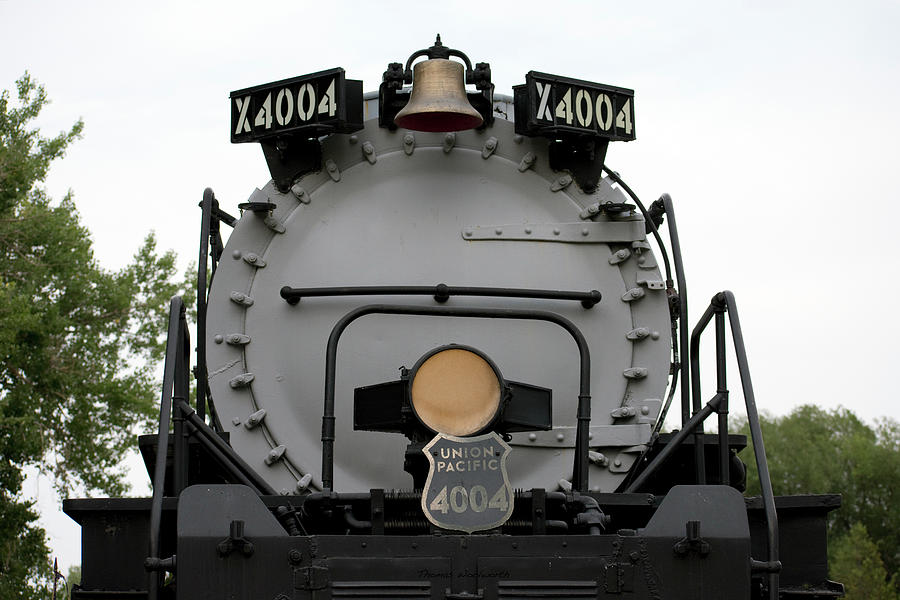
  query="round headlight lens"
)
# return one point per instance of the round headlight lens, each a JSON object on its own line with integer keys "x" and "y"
{"x": 456, "y": 391}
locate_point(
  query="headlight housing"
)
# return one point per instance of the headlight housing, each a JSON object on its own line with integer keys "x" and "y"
{"x": 456, "y": 390}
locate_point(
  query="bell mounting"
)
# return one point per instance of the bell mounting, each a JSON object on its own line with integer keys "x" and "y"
{"x": 438, "y": 101}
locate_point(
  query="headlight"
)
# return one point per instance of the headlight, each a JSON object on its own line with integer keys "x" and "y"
{"x": 455, "y": 390}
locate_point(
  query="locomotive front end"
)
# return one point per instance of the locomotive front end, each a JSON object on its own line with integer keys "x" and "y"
{"x": 434, "y": 361}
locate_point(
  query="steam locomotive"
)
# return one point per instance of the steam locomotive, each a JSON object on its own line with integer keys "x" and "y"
{"x": 499, "y": 332}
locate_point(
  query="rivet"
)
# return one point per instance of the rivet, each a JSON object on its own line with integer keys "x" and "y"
{"x": 354, "y": 139}
{"x": 515, "y": 545}
{"x": 468, "y": 233}
{"x": 641, "y": 260}
{"x": 585, "y": 232}
{"x": 654, "y": 335}
{"x": 252, "y": 258}
{"x": 415, "y": 545}
{"x": 560, "y": 437}
{"x": 236, "y": 421}
{"x": 617, "y": 462}
{"x": 623, "y": 254}
{"x": 518, "y": 138}
{"x": 363, "y": 544}
{"x": 218, "y": 338}
{"x": 565, "y": 544}
{"x": 528, "y": 230}
{"x": 590, "y": 435}
{"x": 645, "y": 410}
{"x": 532, "y": 437}
{"x": 236, "y": 254}
{"x": 498, "y": 231}
{"x": 556, "y": 231}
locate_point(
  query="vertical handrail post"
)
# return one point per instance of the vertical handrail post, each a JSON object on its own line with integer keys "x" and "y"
{"x": 699, "y": 447}
{"x": 722, "y": 390}
{"x": 759, "y": 449}
{"x": 682, "y": 313}
{"x": 182, "y": 392}
{"x": 206, "y": 207}
{"x": 176, "y": 316}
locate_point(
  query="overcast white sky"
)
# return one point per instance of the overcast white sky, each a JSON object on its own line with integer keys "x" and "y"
{"x": 773, "y": 125}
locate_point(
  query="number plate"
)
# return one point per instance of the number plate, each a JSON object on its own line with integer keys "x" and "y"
{"x": 468, "y": 488}
{"x": 314, "y": 105}
{"x": 551, "y": 105}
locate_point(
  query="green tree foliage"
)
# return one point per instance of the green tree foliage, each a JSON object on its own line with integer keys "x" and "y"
{"x": 814, "y": 451}
{"x": 856, "y": 562}
{"x": 75, "y": 339}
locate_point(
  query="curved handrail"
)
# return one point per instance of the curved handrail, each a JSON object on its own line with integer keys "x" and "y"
{"x": 580, "y": 468}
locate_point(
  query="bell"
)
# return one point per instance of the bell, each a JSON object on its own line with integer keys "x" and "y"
{"x": 438, "y": 101}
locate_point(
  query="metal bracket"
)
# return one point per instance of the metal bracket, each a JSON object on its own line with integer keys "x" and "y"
{"x": 311, "y": 578}
{"x": 290, "y": 157}
{"x": 691, "y": 542}
{"x": 618, "y": 436}
{"x": 589, "y": 232}
{"x": 235, "y": 541}
{"x": 582, "y": 157}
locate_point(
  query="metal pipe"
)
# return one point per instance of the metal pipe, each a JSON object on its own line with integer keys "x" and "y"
{"x": 182, "y": 391}
{"x": 699, "y": 446}
{"x": 683, "y": 312}
{"x": 759, "y": 449}
{"x": 206, "y": 216}
{"x": 722, "y": 390}
{"x": 580, "y": 468}
{"x": 669, "y": 448}
{"x": 240, "y": 469}
{"x": 441, "y": 292}
{"x": 176, "y": 312}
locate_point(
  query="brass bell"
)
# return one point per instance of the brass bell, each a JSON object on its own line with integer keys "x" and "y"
{"x": 438, "y": 101}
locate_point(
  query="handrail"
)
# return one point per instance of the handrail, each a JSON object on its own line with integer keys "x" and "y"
{"x": 174, "y": 407}
{"x": 210, "y": 238}
{"x": 721, "y": 303}
{"x": 176, "y": 332}
{"x": 580, "y": 468}
{"x": 441, "y": 292}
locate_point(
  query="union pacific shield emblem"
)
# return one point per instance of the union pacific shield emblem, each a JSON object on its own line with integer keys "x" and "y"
{"x": 467, "y": 487}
